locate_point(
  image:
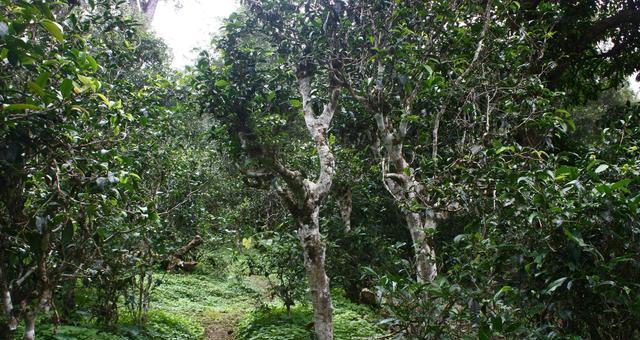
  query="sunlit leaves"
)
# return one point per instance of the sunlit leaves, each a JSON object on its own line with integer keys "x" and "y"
{"x": 54, "y": 29}
{"x": 601, "y": 168}
{"x": 20, "y": 107}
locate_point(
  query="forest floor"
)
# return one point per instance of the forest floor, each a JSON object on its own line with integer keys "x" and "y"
{"x": 240, "y": 307}
{"x": 218, "y": 306}
{"x": 222, "y": 328}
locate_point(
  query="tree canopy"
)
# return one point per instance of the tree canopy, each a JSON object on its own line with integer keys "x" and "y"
{"x": 464, "y": 168}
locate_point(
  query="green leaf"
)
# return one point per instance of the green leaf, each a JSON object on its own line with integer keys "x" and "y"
{"x": 621, "y": 185}
{"x": 604, "y": 188}
{"x": 54, "y": 29}
{"x": 502, "y": 291}
{"x": 555, "y": 285}
{"x": 221, "y": 83}
{"x": 21, "y": 107}
{"x": 295, "y": 103}
{"x": 576, "y": 238}
{"x": 66, "y": 87}
{"x": 566, "y": 172}
{"x": 89, "y": 82}
{"x": 105, "y": 100}
{"x": 505, "y": 148}
{"x": 42, "y": 79}
{"x": 429, "y": 70}
{"x": 35, "y": 88}
{"x": 93, "y": 63}
{"x": 601, "y": 168}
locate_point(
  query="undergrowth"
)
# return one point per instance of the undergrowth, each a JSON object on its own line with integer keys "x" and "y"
{"x": 182, "y": 304}
{"x": 196, "y": 295}
{"x": 160, "y": 326}
{"x": 351, "y": 321}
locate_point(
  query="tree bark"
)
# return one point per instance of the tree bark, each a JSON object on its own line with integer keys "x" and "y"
{"x": 345, "y": 204}
{"x": 30, "y": 326}
{"x": 302, "y": 196}
{"x": 314, "y": 261}
{"x": 426, "y": 268}
{"x": 11, "y": 324}
{"x": 148, "y": 8}
{"x": 399, "y": 180}
{"x": 309, "y": 232}
{"x": 175, "y": 261}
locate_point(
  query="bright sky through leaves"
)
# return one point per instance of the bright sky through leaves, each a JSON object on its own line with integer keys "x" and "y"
{"x": 190, "y": 25}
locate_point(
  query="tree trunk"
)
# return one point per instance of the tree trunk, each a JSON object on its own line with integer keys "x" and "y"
{"x": 345, "y": 204}
{"x": 314, "y": 259}
{"x": 309, "y": 233}
{"x": 175, "y": 261}
{"x": 426, "y": 268}
{"x": 150, "y": 9}
{"x": 303, "y": 196}
{"x": 398, "y": 178}
{"x": 30, "y": 326}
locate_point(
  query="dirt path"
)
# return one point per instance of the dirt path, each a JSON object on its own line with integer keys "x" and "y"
{"x": 222, "y": 326}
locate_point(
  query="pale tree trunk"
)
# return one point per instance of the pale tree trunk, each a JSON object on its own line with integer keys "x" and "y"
{"x": 304, "y": 197}
{"x": 309, "y": 232}
{"x": 11, "y": 324}
{"x": 399, "y": 180}
{"x": 397, "y": 174}
{"x": 426, "y": 268}
{"x": 29, "y": 326}
{"x": 314, "y": 260}
{"x": 148, "y": 8}
{"x": 345, "y": 204}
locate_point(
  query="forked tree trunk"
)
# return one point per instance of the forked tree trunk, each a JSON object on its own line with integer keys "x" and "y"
{"x": 405, "y": 189}
{"x": 304, "y": 197}
{"x": 309, "y": 232}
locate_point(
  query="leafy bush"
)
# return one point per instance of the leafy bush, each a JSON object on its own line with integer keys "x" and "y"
{"x": 277, "y": 257}
{"x": 553, "y": 244}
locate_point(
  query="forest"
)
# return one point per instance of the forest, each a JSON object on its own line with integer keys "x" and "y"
{"x": 324, "y": 169}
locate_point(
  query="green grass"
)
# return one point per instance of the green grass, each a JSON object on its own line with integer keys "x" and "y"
{"x": 160, "y": 326}
{"x": 350, "y": 321}
{"x": 67, "y": 332}
{"x": 198, "y": 295}
{"x": 184, "y": 304}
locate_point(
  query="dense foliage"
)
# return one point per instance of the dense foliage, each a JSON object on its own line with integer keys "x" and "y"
{"x": 348, "y": 169}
